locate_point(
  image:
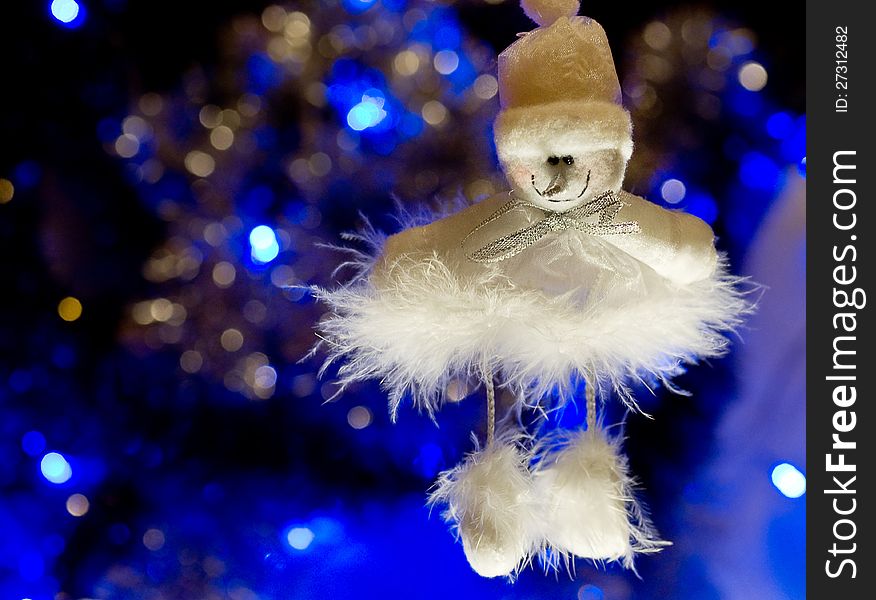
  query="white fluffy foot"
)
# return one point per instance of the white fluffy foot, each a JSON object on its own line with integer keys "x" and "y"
{"x": 589, "y": 508}
{"x": 488, "y": 499}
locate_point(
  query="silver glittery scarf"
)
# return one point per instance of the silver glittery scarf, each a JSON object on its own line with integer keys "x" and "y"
{"x": 606, "y": 205}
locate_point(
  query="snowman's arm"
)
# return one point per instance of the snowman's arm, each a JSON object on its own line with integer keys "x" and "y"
{"x": 440, "y": 239}
{"x": 677, "y": 245}
{"x": 411, "y": 243}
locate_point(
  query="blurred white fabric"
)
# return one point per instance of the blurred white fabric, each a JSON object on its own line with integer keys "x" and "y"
{"x": 760, "y": 532}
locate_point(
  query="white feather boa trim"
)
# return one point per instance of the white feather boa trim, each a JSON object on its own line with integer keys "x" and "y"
{"x": 429, "y": 328}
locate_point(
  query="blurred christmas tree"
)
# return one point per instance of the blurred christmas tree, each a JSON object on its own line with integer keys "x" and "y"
{"x": 314, "y": 113}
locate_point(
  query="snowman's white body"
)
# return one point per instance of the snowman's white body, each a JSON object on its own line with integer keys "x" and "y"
{"x": 572, "y": 303}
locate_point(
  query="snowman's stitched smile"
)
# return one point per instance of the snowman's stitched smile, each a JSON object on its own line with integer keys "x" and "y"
{"x": 540, "y": 193}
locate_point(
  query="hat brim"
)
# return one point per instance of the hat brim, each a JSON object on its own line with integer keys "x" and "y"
{"x": 561, "y": 128}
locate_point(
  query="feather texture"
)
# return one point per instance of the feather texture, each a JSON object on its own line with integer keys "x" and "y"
{"x": 488, "y": 502}
{"x": 586, "y": 501}
{"x": 429, "y": 327}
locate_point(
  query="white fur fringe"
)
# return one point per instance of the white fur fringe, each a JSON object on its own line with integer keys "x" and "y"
{"x": 429, "y": 328}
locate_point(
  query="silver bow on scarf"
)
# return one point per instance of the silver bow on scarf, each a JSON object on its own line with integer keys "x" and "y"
{"x": 606, "y": 206}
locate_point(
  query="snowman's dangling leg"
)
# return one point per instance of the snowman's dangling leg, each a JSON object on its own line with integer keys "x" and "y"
{"x": 488, "y": 498}
{"x": 590, "y": 395}
{"x": 487, "y": 373}
{"x": 587, "y": 497}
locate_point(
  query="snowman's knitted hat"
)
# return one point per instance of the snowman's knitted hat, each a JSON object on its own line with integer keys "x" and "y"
{"x": 558, "y": 88}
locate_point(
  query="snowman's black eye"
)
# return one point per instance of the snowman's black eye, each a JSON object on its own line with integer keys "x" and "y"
{"x": 568, "y": 160}
{"x": 553, "y": 160}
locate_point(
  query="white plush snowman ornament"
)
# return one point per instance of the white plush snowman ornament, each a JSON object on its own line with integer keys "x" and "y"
{"x": 564, "y": 278}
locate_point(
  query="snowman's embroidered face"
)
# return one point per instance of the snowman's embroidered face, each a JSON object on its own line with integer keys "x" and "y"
{"x": 560, "y": 182}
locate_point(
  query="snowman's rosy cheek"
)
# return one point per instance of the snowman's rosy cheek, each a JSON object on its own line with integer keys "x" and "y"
{"x": 519, "y": 171}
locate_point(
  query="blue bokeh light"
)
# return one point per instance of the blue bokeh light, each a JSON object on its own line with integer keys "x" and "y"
{"x": 63, "y": 356}
{"x": 33, "y": 443}
{"x": 67, "y": 12}
{"x": 590, "y": 592}
{"x": 794, "y": 145}
{"x": 21, "y": 380}
{"x": 368, "y": 113}
{"x": 780, "y": 125}
{"x": 326, "y": 530}
{"x": 464, "y": 75}
{"x": 299, "y": 538}
{"x": 356, "y": 7}
{"x": 263, "y": 74}
{"x": 703, "y": 206}
{"x": 789, "y": 480}
{"x": 263, "y": 241}
{"x": 26, "y": 174}
{"x": 55, "y": 468}
{"x": 673, "y": 191}
{"x": 757, "y": 170}
{"x": 362, "y": 99}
